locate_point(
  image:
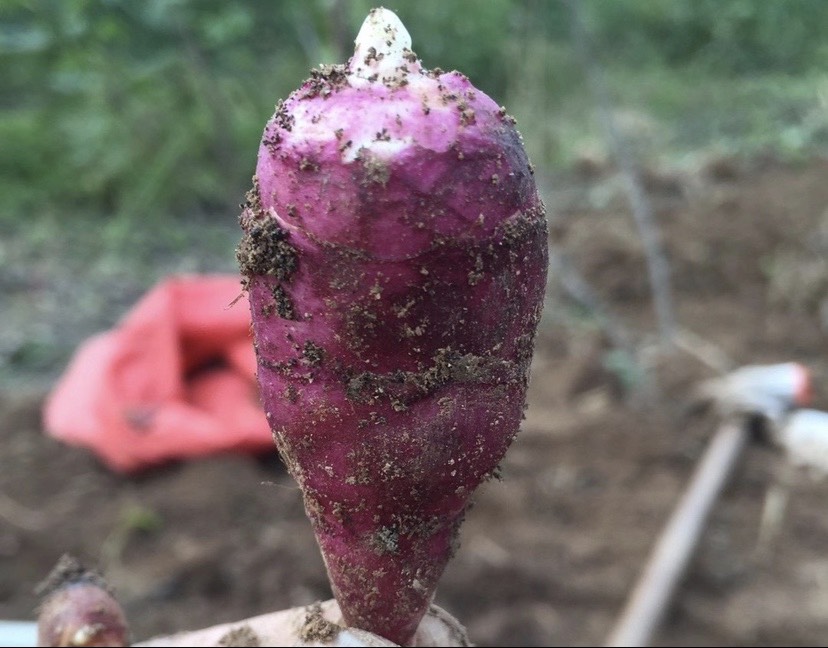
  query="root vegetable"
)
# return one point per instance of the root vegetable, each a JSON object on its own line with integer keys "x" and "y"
{"x": 395, "y": 254}
{"x": 78, "y": 609}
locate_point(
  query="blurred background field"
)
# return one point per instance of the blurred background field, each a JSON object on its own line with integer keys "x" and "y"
{"x": 130, "y": 129}
{"x": 128, "y": 137}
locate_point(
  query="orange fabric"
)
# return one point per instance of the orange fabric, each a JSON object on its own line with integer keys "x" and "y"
{"x": 175, "y": 379}
{"x": 805, "y": 390}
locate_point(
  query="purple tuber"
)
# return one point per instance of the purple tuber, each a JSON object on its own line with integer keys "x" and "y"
{"x": 78, "y": 609}
{"x": 395, "y": 255}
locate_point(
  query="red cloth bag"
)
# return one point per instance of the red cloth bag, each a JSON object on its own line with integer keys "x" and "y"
{"x": 175, "y": 379}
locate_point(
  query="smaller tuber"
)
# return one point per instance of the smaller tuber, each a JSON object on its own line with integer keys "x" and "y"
{"x": 78, "y": 609}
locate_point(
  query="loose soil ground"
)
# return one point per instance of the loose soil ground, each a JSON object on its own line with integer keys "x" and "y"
{"x": 549, "y": 554}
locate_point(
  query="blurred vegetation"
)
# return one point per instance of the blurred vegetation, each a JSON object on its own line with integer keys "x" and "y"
{"x": 150, "y": 110}
{"x": 130, "y": 129}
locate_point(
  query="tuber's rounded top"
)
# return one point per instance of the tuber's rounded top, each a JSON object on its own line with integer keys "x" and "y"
{"x": 382, "y": 102}
{"x": 382, "y": 130}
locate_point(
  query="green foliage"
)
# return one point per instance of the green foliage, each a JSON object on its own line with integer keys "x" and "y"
{"x": 723, "y": 36}
{"x": 146, "y": 110}
{"x": 133, "y": 107}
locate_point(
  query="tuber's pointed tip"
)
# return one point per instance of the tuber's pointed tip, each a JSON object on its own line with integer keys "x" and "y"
{"x": 383, "y": 30}
{"x": 382, "y": 48}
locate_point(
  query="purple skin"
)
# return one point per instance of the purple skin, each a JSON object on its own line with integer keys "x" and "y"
{"x": 78, "y": 609}
{"x": 81, "y": 614}
{"x": 395, "y": 296}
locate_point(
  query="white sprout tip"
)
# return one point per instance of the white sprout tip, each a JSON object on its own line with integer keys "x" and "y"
{"x": 382, "y": 48}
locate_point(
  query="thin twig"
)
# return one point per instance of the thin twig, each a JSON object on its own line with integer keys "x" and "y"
{"x": 657, "y": 266}
{"x": 29, "y": 519}
{"x": 578, "y": 289}
{"x": 339, "y": 29}
{"x": 306, "y": 35}
{"x": 706, "y": 352}
{"x": 774, "y": 509}
{"x": 21, "y": 516}
{"x": 668, "y": 561}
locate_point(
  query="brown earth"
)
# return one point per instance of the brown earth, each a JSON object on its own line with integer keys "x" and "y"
{"x": 549, "y": 554}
